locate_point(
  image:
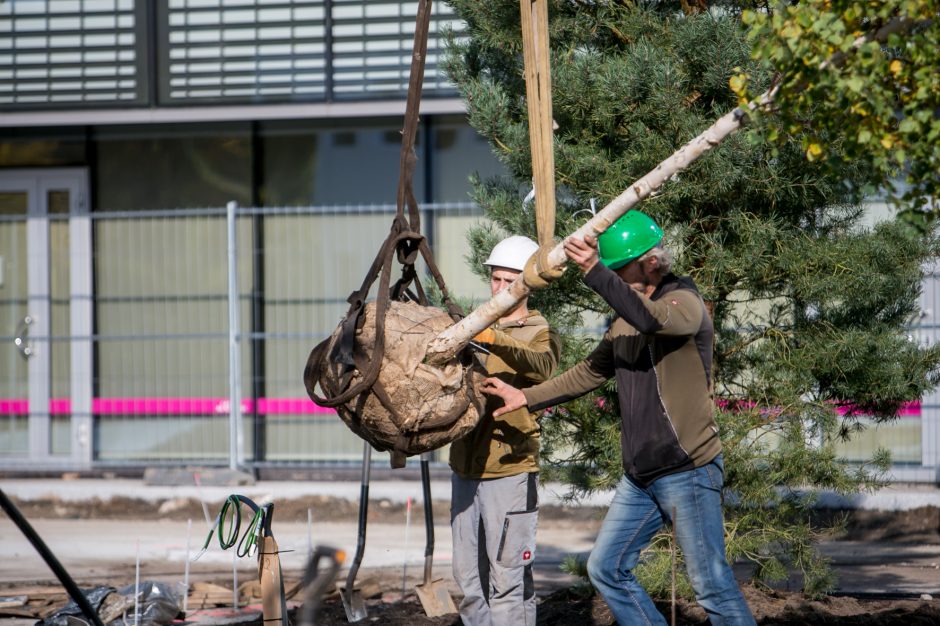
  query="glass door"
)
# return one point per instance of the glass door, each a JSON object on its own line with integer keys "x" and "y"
{"x": 45, "y": 317}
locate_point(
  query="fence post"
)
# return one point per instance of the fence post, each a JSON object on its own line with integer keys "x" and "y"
{"x": 236, "y": 437}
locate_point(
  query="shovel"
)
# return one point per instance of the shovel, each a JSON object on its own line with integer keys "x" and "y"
{"x": 353, "y": 602}
{"x": 433, "y": 594}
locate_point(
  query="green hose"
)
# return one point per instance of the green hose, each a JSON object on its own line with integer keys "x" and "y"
{"x": 246, "y": 542}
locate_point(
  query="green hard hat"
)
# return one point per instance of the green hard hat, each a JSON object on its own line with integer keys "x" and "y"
{"x": 628, "y": 238}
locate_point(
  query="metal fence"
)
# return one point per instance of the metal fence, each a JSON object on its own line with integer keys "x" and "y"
{"x": 203, "y": 320}
{"x": 184, "y": 336}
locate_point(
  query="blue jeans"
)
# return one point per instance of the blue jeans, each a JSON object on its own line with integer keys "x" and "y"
{"x": 636, "y": 514}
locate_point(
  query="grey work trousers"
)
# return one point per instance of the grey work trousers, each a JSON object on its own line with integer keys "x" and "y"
{"x": 493, "y": 522}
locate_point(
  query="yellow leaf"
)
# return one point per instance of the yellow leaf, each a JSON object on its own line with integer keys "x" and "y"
{"x": 813, "y": 151}
{"x": 895, "y": 67}
{"x": 790, "y": 30}
{"x": 887, "y": 141}
{"x": 738, "y": 83}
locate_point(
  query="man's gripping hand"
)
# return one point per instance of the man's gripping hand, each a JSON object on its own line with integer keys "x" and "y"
{"x": 582, "y": 251}
{"x": 512, "y": 398}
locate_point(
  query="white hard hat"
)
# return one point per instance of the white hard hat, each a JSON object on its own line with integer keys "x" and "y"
{"x": 512, "y": 253}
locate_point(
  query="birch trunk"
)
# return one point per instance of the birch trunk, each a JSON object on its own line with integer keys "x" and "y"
{"x": 451, "y": 341}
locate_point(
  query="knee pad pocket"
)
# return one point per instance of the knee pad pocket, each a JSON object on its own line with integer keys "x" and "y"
{"x": 517, "y": 543}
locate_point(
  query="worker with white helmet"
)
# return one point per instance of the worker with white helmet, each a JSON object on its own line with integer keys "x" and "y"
{"x": 494, "y": 503}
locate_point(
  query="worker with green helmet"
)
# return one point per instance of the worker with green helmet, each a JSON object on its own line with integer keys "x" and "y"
{"x": 659, "y": 350}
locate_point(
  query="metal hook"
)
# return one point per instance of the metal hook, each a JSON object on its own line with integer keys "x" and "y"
{"x": 529, "y": 198}
{"x": 593, "y": 209}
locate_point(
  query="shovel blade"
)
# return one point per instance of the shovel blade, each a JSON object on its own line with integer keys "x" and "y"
{"x": 435, "y": 599}
{"x": 354, "y": 605}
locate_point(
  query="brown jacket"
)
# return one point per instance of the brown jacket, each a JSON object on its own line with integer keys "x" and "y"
{"x": 659, "y": 349}
{"x": 522, "y": 354}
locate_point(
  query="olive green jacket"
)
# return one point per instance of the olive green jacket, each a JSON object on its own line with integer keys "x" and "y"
{"x": 523, "y": 353}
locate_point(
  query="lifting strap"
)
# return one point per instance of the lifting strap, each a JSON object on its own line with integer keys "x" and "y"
{"x": 538, "y": 88}
{"x": 406, "y": 242}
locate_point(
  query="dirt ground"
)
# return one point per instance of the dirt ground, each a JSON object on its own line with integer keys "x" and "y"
{"x": 569, "y": 607}
{"x": 574, "y": 605}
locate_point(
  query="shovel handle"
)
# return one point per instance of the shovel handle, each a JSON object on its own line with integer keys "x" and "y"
{"x": 27, "y": 529}
{"x": 428, "y": 518}
{"x": 363, "y": 516}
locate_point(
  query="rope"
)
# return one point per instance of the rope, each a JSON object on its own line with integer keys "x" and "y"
{"x": 405, "y": 242}
{"x": 259, "y": 526}
{"x": 256, "y": 539}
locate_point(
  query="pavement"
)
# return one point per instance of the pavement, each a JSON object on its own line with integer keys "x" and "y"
{"x": 93, "y": 549}
{"x": 90, "y": 548}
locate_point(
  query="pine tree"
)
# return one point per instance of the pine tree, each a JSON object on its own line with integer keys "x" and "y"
{"x": 811, "y": 309}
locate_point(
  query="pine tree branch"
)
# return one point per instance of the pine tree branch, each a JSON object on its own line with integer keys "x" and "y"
{"x": 446, "y": 345}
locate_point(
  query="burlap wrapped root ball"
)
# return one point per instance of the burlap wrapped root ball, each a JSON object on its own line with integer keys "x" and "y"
{"x": 420, "y": 394}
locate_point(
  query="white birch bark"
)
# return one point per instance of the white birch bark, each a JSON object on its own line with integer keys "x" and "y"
{"x": 452, "y": 340}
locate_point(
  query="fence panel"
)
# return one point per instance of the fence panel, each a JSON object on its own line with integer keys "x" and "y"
{"x": 161, "y": 383}
{"x": 162, "y": 392}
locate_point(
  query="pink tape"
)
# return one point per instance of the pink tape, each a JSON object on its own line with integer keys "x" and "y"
{"x": 220, "y": 406}
{"x": 172, "y": 406}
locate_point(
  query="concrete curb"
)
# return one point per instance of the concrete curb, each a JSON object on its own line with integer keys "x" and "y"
{"x": 217, "y": 488}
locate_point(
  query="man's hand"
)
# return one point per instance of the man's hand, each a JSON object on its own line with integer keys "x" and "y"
{"x": 512, "y": 398}
{"x": 582, "y": 251}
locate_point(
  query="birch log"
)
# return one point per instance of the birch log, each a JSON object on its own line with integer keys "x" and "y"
{"x": 446, "y": 345}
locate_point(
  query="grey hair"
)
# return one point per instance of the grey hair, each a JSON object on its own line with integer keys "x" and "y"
{"x": 662, "y": 255}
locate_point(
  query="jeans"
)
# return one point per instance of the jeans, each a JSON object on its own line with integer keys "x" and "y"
{"x": 636, "y": 514}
